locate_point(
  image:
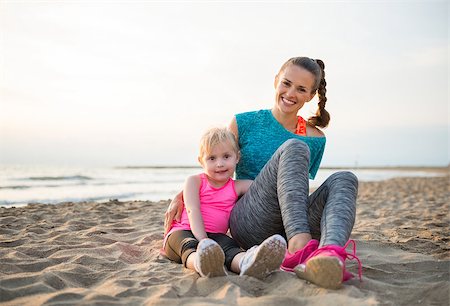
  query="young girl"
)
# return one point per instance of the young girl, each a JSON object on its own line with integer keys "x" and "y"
{"x": 199, "y": 240}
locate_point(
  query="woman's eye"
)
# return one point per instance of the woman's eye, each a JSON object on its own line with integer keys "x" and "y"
{"x": 286, "y": 83}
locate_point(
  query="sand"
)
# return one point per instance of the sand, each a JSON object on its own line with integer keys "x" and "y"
{"x": 108, "y": 254}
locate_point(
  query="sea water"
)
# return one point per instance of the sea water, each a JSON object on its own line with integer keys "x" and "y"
{"x": 20, "y": 185}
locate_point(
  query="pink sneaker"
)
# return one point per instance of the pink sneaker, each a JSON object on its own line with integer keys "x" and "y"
{"x": 325, "y": 267}
{"x": 292, "y": 260}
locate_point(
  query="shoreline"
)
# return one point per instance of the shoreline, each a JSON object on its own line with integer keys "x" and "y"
{"x": 108, "y": 253}
{"x": 99, "y": 186}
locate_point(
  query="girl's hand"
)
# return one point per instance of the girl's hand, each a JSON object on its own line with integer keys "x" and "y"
{"x": 173, "y": 212}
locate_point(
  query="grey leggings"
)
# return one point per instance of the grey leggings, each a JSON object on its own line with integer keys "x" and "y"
{"x": 278, "y": 202}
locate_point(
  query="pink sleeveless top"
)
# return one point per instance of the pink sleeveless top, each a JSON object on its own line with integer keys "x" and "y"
{"x": 215, "y": 207}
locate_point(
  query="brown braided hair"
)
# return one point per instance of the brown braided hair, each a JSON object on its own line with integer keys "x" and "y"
{"x": 317, "y": 68}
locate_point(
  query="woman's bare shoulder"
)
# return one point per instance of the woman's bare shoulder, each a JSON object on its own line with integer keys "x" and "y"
{"x": 313, "y": 131}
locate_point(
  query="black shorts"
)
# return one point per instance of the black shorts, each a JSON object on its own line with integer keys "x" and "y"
{"x": 180, "y": 244}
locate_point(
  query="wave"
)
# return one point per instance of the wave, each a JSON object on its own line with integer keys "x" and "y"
{"x": 57, "y": 178}
{"x": 98, "y": 198}
{"x": 16, "y": 187}
{"x": 149, "y": 183}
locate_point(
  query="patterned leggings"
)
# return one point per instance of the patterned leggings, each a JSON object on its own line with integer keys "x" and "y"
{"x": 278, "y": 202}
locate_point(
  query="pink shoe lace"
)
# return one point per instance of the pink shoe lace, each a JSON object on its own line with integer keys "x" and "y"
{"x": 341, "y": 252}
{"x": 292, "y": 260}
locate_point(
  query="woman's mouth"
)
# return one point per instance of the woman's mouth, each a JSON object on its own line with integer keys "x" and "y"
{"x": 287, "y": 101}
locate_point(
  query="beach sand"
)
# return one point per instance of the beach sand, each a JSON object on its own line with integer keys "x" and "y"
{"x": 108, "y": 254}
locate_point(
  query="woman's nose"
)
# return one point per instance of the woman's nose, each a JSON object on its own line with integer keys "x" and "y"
{"x": 290, "y": 92}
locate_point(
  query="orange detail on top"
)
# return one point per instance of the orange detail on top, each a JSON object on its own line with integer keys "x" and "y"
{"x": 301, "y": 126}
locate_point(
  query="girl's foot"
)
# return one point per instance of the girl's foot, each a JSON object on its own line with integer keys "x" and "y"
{"x": 210, "y": 259}
{"x": 325, "y": 267}
{"x": 260, "y": 261}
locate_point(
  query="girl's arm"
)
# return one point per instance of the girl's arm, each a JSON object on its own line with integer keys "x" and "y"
{"x": 192, "y": 202}
{"x": 242, "y": 186}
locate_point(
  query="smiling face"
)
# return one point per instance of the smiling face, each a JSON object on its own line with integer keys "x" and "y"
{"x": 293, "y": 88}
{"x": 219, "y": 163}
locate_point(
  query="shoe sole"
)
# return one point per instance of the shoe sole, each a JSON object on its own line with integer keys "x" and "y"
{"x": 323, "y": 271}
{"x": 268, "y": 258}
{"x": 211, "y": 261}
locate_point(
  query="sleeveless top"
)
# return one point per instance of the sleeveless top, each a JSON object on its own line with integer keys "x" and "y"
{"x": 260, "y": 135}
{"x": 215, "y": 207}
{"x": 301, "y": 126}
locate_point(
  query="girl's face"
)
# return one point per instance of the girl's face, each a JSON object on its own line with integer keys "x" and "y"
{"x": 220, "y": 163}
{"x": 293, "y": 88}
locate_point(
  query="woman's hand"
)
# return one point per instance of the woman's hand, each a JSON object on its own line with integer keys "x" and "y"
{"x": 173, "y": 212}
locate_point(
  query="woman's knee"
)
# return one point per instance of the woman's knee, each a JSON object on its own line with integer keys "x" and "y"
{"x": 346, "y": 177}
{"x": 295, "y": 145}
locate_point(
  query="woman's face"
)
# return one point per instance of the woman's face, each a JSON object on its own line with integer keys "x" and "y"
{"x": 293, "y": 88}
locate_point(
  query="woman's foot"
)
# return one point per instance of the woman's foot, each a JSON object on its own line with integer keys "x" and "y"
{"x": 291, "y": 260}
{"x": 260, "y": 261}
{"x": 210, "y": 259}
{"x": 325, "y": 267}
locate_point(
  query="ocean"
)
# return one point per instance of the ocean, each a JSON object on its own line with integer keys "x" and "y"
{"x": 20, "y": 185}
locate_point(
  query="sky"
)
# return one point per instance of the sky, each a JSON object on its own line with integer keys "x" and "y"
{"x": 128, "y": 83}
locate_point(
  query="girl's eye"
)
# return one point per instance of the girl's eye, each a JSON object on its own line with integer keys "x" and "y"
{"x": 226, "y": 156}
{"x": 211, "y": 158}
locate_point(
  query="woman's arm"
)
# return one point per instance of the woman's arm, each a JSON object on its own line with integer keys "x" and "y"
{"x": 234, "y": 128}
{"x": 242, "y": 186}
{"x": 192, "y": 202}
{"x": 174, "y": 211}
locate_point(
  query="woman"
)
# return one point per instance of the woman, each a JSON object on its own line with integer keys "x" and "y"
{"x": 280, "y": 151}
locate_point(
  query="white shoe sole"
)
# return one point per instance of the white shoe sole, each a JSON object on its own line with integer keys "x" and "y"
{"x": 210, "y": 259}
{"x": 324, "y": 271}
{"x": 268, "y": 258}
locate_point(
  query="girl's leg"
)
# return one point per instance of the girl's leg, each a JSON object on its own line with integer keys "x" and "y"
{"x": 260, "y": 261}
{"x": 332, "y": 209}
{"x": 205, "y": 257}
{"x": 229, "y": 247}
{"x": 180, "y": 245}
{"x": 277, "y": 201}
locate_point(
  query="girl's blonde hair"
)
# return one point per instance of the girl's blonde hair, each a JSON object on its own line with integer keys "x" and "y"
{"x": 214, "y": 136}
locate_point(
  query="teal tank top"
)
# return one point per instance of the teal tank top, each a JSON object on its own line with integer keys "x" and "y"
{"x": 260, "y": 135}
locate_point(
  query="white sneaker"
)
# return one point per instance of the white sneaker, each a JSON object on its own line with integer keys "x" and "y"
{"x": 210, "y": 259}
{"x": 260, "y": 261}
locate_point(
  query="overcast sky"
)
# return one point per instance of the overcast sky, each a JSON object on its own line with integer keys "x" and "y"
{"x": 136, "y": 82}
